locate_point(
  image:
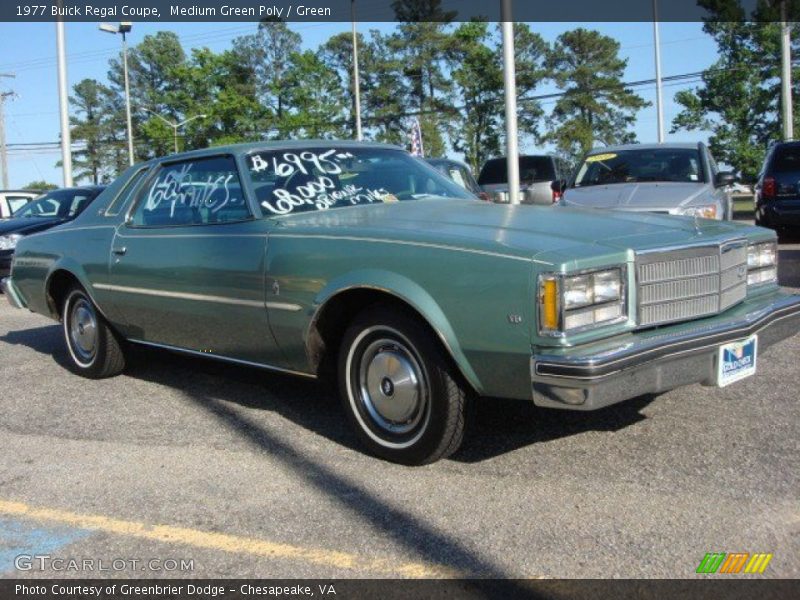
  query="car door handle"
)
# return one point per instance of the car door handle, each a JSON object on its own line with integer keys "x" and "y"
{"x": 119, "y": 251}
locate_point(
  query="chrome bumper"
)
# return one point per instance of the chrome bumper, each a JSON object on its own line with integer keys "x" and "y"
{"x": 656, "y": 361}
{"x": 11, "y": 293}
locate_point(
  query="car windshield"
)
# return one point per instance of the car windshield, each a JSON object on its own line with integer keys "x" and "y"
{"x": 59, "y": 204}
{"x": 625, "y": 166}
{"x": 288, "y": 182}
{"x": 531, "y": 170}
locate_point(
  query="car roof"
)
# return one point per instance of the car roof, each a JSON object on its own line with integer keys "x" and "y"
{"x": 246, "y": 147}
{"x": 623, "y": 147}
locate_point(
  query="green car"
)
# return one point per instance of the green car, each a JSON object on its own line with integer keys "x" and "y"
{"x": 359, "y": 261}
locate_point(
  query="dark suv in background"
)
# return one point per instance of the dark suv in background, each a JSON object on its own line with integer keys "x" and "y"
{"x": 777, "y": 197}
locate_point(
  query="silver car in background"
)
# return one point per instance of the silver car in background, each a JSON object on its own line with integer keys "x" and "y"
{"x": 536, "y": 176}
{"x": 676, "y": 179}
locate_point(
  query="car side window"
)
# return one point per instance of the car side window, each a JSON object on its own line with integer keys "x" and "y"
{"x": 204, "y": 191}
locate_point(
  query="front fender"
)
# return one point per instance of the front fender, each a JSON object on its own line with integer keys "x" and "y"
{"x": 409, "y": 292}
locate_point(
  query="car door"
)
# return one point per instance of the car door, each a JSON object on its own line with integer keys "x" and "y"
{"x": 187, "y": 264}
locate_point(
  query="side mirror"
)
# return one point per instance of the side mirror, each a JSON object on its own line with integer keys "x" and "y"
{"x": 725, "y": 178}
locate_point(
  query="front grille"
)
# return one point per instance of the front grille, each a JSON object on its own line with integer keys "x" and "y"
{"x": 688, "y": 283}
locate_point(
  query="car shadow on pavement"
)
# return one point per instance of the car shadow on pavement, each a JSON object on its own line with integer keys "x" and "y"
{"x": 222, "y": 387}
{"x": 45, "y": 340}
{"x": 496, "y": 426}
{"x": 499, "y": 426}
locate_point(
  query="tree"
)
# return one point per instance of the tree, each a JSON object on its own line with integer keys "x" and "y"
{"x": 314, "y": 93}
{"x": 385, "y": 90}
{"x": 220, "y": 87}
{"x": 337, "y": 54}
{"x": 267, "y": 54}
{"x": 738, "y": 100}
{"x": 421, "y": 44}
{"x": 155, "y": 66}
{"x": 90, "y": 125}
{"x": 478, "y": 77}
{"x": 40, "y": 186}
{"x": 476, "y": 67}
{"x": 596, "y": 105}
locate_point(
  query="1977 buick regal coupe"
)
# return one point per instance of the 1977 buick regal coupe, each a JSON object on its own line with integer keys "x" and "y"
{"x": 298, "y": 257}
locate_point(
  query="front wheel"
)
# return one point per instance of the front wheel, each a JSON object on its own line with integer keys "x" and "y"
{"x": 94, "y": 350}
{"x": 399, "y": 390}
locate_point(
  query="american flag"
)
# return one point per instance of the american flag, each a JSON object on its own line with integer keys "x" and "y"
{"x": 417, "y": 149}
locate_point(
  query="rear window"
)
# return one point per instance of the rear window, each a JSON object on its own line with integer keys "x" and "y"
{"x": 787, "y": 158}
{"x": 531, "y": 169}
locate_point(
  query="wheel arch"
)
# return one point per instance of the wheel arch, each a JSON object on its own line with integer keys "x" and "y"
{"x": 59, "y": 280}
{"x": 341, "y": 300}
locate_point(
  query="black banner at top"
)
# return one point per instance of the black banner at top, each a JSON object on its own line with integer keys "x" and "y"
{"x": 398, "y": 10}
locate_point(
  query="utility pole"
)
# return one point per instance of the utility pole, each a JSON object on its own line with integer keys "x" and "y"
{"x": 356, "y": 76}
{"x": 124, "y": 28}
{"x": 510, "y": 84}
{"x": 3, "y": 148}
{"x": 659, "y": 96}
{"x": 786, "y": 75}
{"x": 66, "y": 138}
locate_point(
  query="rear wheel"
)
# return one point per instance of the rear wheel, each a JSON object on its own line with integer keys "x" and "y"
{"x": 400, "y": 392}
{"x": 94, "y": 350}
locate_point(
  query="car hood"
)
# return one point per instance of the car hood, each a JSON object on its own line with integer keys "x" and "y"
{"x": 26, "y": 226}
{"x": 524, "y": 231}
{"x": 635, "y": 196}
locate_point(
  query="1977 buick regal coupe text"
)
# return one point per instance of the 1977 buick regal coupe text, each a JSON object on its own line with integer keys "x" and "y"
{"x": 360, "y": 260}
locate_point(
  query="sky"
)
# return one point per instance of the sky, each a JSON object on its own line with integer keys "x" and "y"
{"x": 29, "y": 51}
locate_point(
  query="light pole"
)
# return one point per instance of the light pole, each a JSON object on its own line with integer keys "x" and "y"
{"x": 124, "y": 28}
{"x": 356, "y": 77}
{"x": 175, "y": 126}
{"x": 510, "y": 85}
{"x": 63, "y": 96}
{"x": 659, "y": 98}
{"x": 3, "y": 151}
{"x": 786, "y": 76}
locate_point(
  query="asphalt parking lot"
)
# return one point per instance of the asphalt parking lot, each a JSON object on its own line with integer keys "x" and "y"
{"x": 245, "y": 474}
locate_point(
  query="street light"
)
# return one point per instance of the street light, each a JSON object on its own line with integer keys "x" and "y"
{"x": 124, "y": 28}
{"x": 175, "y": 126}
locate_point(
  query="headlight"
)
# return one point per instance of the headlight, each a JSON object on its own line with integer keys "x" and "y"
{"x": 762, "y": 263}
{"x": 9, "y": 242}
{"x": 574, "y": 302}
{"x": 704, "y": 212}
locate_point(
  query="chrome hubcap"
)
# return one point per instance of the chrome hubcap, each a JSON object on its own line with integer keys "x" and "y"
{"x": 391, "y": 386}
{"x": 83, "y": 329}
